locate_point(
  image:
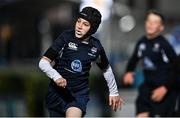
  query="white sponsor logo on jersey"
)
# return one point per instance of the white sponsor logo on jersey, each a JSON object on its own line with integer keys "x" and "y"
{"x": 93, "y": 50}
{"x": 141, "y": 48}
{"x": 72, "y": 46}
{"x": 156, "y": 47}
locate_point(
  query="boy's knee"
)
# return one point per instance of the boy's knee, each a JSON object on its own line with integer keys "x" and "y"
{"x": 143, "y": 115}
{"x": 73, "y": 112}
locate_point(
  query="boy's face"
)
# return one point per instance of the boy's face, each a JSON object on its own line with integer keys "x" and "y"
{"x": 153, "y": 25}
{"x": 81, "y": 28}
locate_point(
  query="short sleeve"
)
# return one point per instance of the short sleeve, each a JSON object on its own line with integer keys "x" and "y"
{"x": 56, "y": 47}
{"x": 59, "y": 43}
{"x": 102, "y": 60}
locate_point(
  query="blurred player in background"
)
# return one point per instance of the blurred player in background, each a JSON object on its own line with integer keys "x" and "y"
{"x": 73, "y": 53}
{"x": 156, "y": 95}
{"x": 174, "y": 40}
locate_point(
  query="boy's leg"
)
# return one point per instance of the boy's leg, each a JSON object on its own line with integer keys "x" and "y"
{"x": 73, "y": 112}
{"x": 166, "y": 107}
{"x": 143, "y": 102}
{"x": 143, "y": 115}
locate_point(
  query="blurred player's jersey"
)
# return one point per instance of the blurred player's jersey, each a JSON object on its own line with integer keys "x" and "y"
{"x": 74, "y": 58}
{"x": 157, "y": 57}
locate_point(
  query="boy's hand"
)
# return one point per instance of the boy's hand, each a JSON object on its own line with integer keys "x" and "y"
{"x": 61, "y": 82}
{"x": 128, "y": 78}
{"x": 115, "y": 102}
{"x": 159, "y": 93}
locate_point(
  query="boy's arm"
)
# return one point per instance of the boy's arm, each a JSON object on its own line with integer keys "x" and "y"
{"x": 114, "y": 99}
{"x": 172, "y": 57}
{"x": 111, "y": 82}
{"x": 50, "y": 55}
{"x": 128, "y": 78}
{"x": 45, "y": 66}
{"x": 104, "y": 65}
{"x": 131, "y": 65}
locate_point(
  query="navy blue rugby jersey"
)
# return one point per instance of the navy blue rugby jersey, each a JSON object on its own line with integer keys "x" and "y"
{"x": 157, "y": 58}
{"x": 73, "y": 58}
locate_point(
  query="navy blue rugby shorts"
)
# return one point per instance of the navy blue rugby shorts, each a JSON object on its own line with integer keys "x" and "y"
{"x": 165, "y": 108}
{"x": 59, "y": 100}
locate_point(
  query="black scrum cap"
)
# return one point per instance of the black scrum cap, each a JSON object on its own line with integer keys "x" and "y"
{"x": 93, "y": 16}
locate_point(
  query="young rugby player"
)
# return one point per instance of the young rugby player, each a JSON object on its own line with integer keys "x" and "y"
{"x": 73, "y": 53}
{"x": 156, "y": 96}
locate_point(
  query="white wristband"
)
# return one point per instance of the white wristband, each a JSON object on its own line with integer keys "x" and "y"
{"x": 46, "y": 67}
{"x": 110, "y": 79}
